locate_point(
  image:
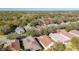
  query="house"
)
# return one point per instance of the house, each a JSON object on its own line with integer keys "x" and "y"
{"x": 19, "y": 30}
{"x": 31, "y": 44}
{"x": 27, "y": 27}
{"x": 74, "y": 32}
{"x": 57, "y": 37}
{"x": 12, "y": 44}
{"x": 45, "y": 41}
{"x": 65, "y": 34}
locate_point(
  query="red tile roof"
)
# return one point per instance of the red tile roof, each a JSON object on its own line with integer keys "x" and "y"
{"x": 45, "y": 40}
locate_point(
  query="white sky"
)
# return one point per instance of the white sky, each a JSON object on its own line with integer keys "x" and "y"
{"x": 39, "y": 3}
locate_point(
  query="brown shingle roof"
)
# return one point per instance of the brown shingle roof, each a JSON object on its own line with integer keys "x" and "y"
{"x": 30, "y": 43}
{"x": 16, "y": 44}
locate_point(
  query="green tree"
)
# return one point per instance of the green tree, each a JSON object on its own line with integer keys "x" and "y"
{"x": 32, "y": 32}
{"x": 68, "y": 27}
{"x": 59, "y": 47}
{"x": 35, "y": 22}
{"x": 73, "y": 44}
{"x": 5, "y": 29}
{"x": 12, "y": 36}
{"x": 45, "y": 31}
